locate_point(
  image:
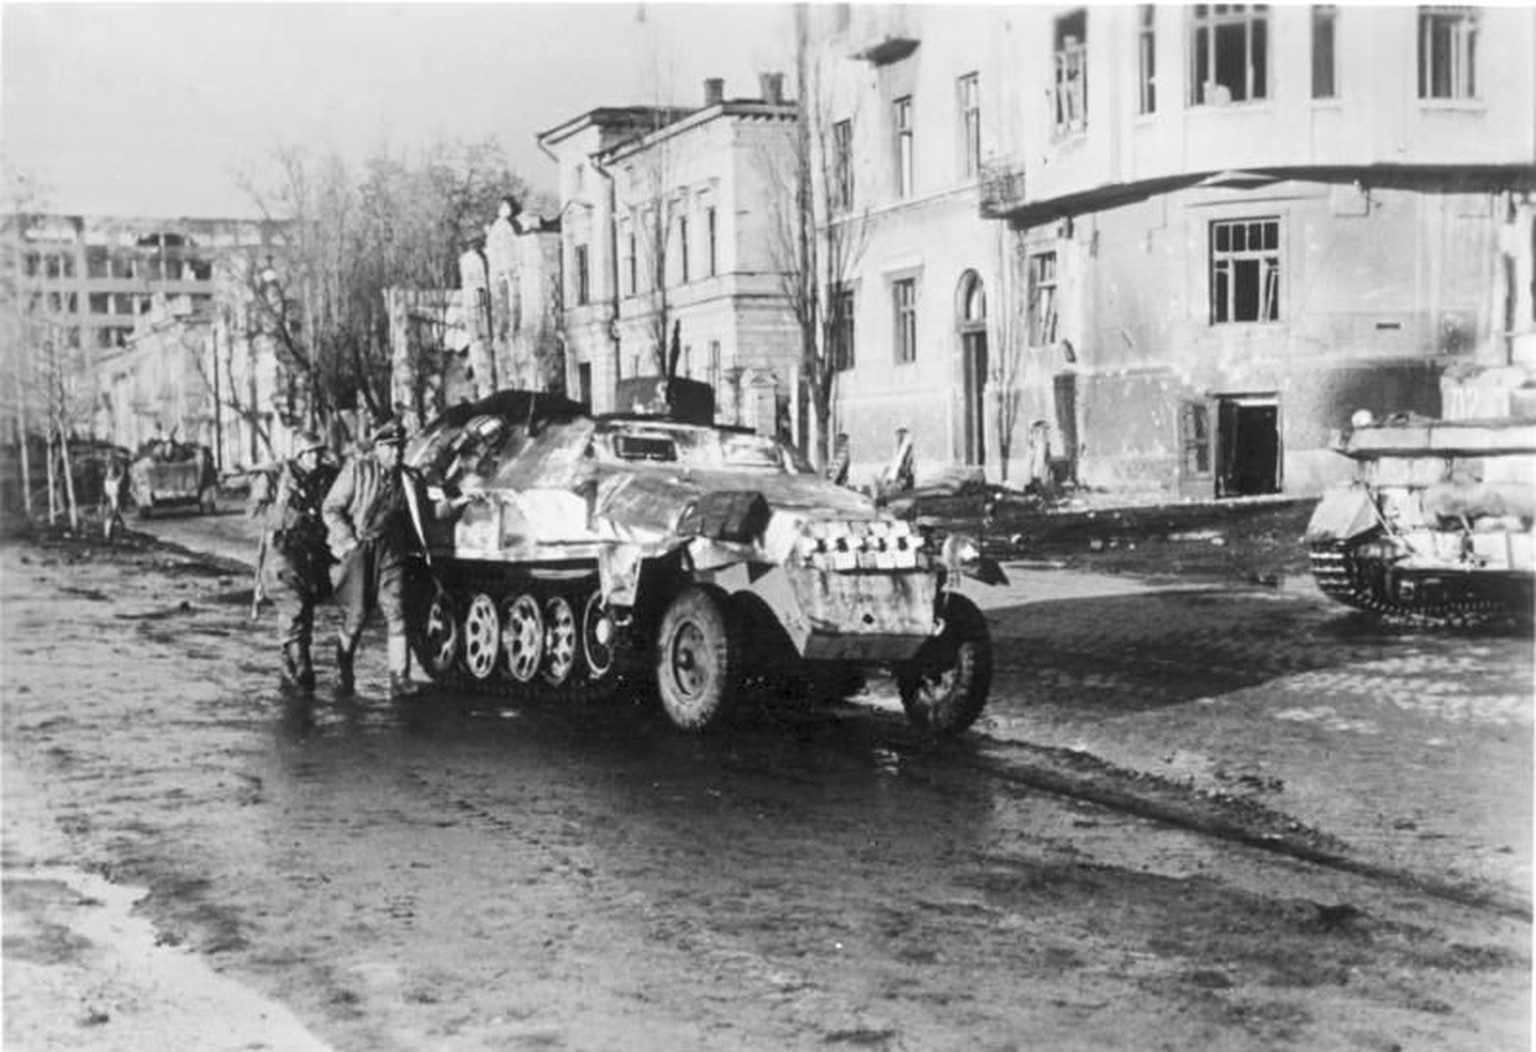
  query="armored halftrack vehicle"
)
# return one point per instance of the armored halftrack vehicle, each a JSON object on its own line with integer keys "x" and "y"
{"x": 173, "y": 475}
{"x": 563, "y": 551}
{"x": 1437, "y": 525}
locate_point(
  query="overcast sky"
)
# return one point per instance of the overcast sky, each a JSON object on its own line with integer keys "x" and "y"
{"x": 153, "y": 109}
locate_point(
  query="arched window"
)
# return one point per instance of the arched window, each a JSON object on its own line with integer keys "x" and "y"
{"x": 973, "y": 301}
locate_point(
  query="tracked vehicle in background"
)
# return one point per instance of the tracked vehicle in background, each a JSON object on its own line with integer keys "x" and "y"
{"x": 564, "y": 553}
{"x": 1437, "y": 524}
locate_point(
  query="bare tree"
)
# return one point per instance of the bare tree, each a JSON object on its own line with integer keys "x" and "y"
{"x": 341, "y": 240}
{"x": 53, "y": 379}
{"x": 819, "y": 233}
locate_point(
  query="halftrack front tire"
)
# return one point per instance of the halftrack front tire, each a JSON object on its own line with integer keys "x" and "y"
{"x": 944, "y": 688}
{"x": 433, "y": 628}
{"x": 697, "y": 658}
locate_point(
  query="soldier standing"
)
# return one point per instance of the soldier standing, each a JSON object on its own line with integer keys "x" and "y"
{"x": 368, "y": 515}
{"x": 294, "y": 569}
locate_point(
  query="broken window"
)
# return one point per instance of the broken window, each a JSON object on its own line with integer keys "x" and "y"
{"x": 904, "y": 300}
{"x": 1146, "y": 60}
{"x": 1042, "y": 299}
{"x": 1324, "y": 57}
{"x": 1071, "y": 72}
{"x": 1447, "y": 53}
{"x": 904, "y": 156}
{"x": 970, "y": 125}
{"x": 1229, "y": 53}
{"x": 1245, "y": 270}
{"x": 842, "y": 166}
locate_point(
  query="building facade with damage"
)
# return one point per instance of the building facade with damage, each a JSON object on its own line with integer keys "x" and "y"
{"x": 1233, "y": 226}
{"x": 1170, "y": 248}
{"x": 672, "y": 251}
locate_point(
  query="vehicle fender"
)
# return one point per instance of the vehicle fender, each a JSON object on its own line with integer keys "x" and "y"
{"x": 1342, "y": 514}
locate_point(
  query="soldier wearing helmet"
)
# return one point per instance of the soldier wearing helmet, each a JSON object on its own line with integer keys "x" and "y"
{"x": 294, "y": 567}
{"x": 368, "y": 515}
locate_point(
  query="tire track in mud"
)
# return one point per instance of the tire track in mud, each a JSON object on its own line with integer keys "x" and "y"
{"x": 710, "y": 951}
{"x": 1082, "y": 776}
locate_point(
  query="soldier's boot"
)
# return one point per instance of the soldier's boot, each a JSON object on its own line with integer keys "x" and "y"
{"x": 304, "y": 668}
{"x": 346, "y": 686}
{"x": 400, "y": 685}
{"x": 289, "y": 679}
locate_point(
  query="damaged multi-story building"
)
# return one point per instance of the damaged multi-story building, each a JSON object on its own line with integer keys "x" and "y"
{"x": 669, "y": 246}
{"x": 1174, "y": 248}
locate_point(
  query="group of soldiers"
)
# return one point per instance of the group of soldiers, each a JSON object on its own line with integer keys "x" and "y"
{"x": 337, "y": 534}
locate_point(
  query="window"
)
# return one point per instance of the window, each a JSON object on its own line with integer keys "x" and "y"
{"x": 711, "y": 231}
{"x": 904, "y": 299}
{"x": 96, "y": 262}
{"x": 712, "y": 377}
{"x": 1245, "y": 270}
{"x": 1447, "y": 53}
{"x": 1071, "y": 72}
{"x": 628, "y": 240}
{"x": 583, "y": 276}
{"x": 970, "y": 125}
{"x": 682, "y": 243}
{"x": 122, "y": 303}
{"x": 1229, "y": 53}
{"x": 34, "y": 264}
{"x": 1324, "y": 59}
{"x": 842, "y": 327}
{"x": 904, "y": 158}
{"x": 1042, "y": 299}
{"x": 1146, "y": 60}
{"x": 842, "y": 166}
{"x": 99, "y": 303}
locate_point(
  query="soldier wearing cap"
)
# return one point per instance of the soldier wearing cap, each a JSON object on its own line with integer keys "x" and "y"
{"x": 368, "y": 516}
{"x": 294, "y": 566}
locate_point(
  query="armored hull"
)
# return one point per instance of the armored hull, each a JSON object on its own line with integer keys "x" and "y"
{"x": 564, "y": 553}
{"x": 1436, "y": 525}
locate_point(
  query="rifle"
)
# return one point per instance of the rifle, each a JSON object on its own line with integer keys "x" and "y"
{"x": 258, "y": 589}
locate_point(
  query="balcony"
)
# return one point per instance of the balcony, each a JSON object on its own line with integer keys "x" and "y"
{"x": 1000, "y": 189}
{"x": 881, "y": 35}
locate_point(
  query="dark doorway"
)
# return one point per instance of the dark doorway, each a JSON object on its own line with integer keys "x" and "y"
{"x": 1248, "y": 446}
{"x": 973, "y": 349}
{"x": 584, "y": 383}
{"x": 1064, "y": 467}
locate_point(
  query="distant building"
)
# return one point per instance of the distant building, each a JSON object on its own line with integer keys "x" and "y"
{"x": 669, "y": 248}
{"x": 511, "y": 291}
{"x": 159, "y": 383}
{"x": 90, "y": 277}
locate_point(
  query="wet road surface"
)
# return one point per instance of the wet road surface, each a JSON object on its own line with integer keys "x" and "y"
{"x": 454, "y": 874}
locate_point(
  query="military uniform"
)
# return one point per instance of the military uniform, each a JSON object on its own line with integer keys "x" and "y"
{"x": 368, "y": 517}
{"x": 295, "y": 571}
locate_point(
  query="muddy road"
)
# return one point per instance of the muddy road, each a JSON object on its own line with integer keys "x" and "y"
{"x": 454, "y": 873}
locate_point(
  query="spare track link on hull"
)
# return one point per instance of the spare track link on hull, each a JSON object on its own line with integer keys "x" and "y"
{"x": 538, "y": 653}
{"x": 1342, "y": 576}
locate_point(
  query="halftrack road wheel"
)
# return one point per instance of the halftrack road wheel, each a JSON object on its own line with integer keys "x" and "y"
{"x": 522, "y": 637}
{"x": 696, "y": 658}
{"x": 597, "y": 632}
{"x": 437, "y": 637}
{"x": 482, "y": 636}
{"x": 945, "y": 686}
{"x": 559, "y": 640}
